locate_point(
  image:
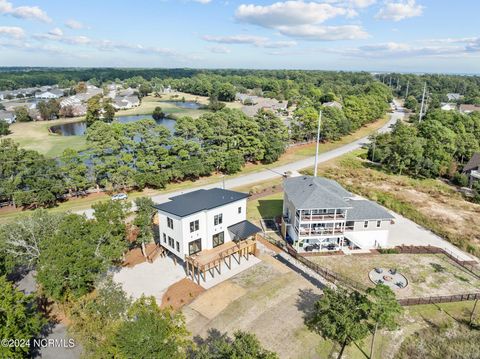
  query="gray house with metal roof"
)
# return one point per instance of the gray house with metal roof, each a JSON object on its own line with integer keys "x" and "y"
{"x": 320, "y": 215}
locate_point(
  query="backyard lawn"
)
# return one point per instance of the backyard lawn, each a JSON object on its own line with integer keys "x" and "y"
{"x": 265, "y": 207}
{"x": 427, "y": 274}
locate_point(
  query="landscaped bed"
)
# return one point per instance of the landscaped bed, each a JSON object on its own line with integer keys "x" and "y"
{"x": 427, "y": 274}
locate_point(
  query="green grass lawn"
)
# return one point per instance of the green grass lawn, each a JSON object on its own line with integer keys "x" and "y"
{"x": 265, "y": 207}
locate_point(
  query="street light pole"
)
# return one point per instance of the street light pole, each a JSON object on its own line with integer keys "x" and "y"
{"x": 318, "y": 142}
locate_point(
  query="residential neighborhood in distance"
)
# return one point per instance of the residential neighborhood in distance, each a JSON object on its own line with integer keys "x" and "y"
{"x": 205, "y": 179}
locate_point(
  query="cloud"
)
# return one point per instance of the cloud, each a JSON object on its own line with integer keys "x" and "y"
{"x": 57, "y": 32}
{"x": 305, "y": 20}
{"x": 324, "y": 33}
{"x": 12, "y": 31}
{"x": 219, "y": 49}
{"x": 75, "y": 25}
{"x": 23, "y": 12}
{"x": 443, "y": 48}
{"x": 258, "y": 41}
{"x": 288, "y": 13}
{"x": 399, "y": 10}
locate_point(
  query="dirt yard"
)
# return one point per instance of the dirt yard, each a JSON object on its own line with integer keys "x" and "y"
{"x": 268, "y": 299}
{"x": 181, "y": 293}
{"x": 427, "y": 274}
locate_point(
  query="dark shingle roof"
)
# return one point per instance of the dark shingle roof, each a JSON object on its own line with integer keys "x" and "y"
{"x": 474, "y": 163}
{"x": 315, "y": 192}
{"x": 200, "y": 200}
{"x": 366, "y": 210}
{"x": 243, "y": 230}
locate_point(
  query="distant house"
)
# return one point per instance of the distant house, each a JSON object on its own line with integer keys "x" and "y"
{"x": 472, "y": 169}
{"x": 126, "y": 102}
{"x": 465, "y": 108}
{"x": 7, "y": 116}
{"x": 448, "y": 106}
{"x": 333, "y": 104}
{"x": 454, "y": 96}
{"x": 50, "y": 94}
{"x": 320, "y": 215}
{"x": 201, "y": 220}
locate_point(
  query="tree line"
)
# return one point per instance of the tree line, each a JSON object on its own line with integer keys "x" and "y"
{"x": 438, "y": 146}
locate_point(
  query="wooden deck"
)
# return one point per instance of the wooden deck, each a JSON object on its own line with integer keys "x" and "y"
{"x": 211, "y": 260}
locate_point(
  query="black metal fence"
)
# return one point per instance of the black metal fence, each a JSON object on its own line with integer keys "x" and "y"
{"x": 439, "y": 299}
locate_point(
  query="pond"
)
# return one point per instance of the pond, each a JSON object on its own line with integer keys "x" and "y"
{"x": 79, "y": 128}
{"x": 186, "y": 104}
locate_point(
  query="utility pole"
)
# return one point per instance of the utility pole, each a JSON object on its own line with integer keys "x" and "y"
{"x": 406, "y": 92}
{"x": 318, "y": 142}
{"x": 373, "y": 147}
{"x": 223, "y": 181}
{"x": 423, "y": 103}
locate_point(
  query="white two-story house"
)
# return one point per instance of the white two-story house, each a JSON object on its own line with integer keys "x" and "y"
{"x": 202, "y": 220}
{"x": 320, "y": 215}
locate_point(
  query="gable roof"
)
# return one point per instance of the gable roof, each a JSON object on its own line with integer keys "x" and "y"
{"x": 315, "y": 192}
{"x": 200, "y": 200}
{"x": 363, "y": 209}
{"x": 474, "y": 163}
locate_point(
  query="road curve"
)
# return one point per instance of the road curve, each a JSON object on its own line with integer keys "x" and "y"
{"x": 276, "y": 172}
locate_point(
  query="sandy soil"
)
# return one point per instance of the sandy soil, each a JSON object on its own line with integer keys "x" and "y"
{"x": 181, "y": 293}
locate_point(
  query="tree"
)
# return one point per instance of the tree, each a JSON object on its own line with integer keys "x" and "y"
{"x": 143, "y": 221}
{"x": 94, "y": 108}
{"x": 383, "y": 310}
{"x": 244, "y": 345}
{"x": 274, "y": 135}
{"x": 72, "y": 253}
{"x": 151, "y": 332}
{"x": 22, "y": 115}
{"x": 109, "y": 230}
{"x": 75, "y": 171}
{"x": 96, "y": 318}
{"x": 49, "y": 110}
{"x": 19, "y": 319}
{"x": 411, "y": 103}
{"x": 340, "y": 316}
{"x": 4, "y": 128}
{"x": 144, "y": 89}
{"x": 158, "y": 114}
{"x": 24, "y": 239}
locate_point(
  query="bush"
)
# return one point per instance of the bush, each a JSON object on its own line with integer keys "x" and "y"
{"x": 460, "y": 179}
{"x": 388, "y": 251}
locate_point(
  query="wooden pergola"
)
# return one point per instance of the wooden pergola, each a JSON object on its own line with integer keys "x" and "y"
{"x": 211, "y": 260}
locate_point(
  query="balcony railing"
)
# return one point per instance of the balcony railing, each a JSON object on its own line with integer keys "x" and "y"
{"x": 322, "y": 217}
{"x": 319, "y": 232}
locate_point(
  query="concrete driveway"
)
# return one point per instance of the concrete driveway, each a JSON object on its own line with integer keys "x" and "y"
{"x": 407, "y": 232}
{"x": 150, "y": 279}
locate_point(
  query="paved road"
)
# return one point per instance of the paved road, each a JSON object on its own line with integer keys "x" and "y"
{"x": 276, "y": 172}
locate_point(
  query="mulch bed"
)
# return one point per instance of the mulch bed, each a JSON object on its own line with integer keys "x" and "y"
{"x": 181, "y": 293}
{"x": 135, "y": 256}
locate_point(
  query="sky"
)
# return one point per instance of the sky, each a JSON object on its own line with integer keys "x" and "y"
{"x": 351, "y": 35}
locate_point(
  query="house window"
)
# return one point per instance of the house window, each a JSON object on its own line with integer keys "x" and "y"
{"x": 194, "y": 246}
{"x": 218, "y": 219}
{"x": 239, "y": 210}
{"x": 194, "y": 226}
{"x": 164, "y": 238}
{"x": 169, "y": 223}
{"x": 178, "y": 246}
{"x": 365, "y": 224}
{"x": 379, "y": 223}
{"x": 218, "y": 239}
{"x": 170, "y": 241}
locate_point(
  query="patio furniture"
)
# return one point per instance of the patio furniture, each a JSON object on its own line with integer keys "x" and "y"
{"x": 378, "y": 270}
{"x": 393, "y": 271}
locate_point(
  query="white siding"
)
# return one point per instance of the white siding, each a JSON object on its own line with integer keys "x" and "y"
{"x": 181, "y": 226}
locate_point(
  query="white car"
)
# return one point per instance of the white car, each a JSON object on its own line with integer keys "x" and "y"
{"x": 119, "y": 197}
